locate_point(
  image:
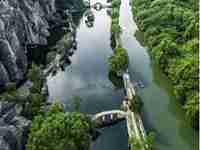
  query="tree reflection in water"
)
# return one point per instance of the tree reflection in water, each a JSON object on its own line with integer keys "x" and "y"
{"x": 116, "y": 81}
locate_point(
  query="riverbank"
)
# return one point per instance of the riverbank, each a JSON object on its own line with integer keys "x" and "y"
{"x": 161, "y": 111}
{"x": 171, "y": 35}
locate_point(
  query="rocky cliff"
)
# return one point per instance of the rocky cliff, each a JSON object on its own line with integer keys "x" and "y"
{"x": 25, "y": 23}
{"x": 13, "y": 127}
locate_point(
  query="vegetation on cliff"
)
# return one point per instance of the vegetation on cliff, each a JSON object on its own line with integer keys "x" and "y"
{"x": 53, "y": 129}
{"x": 57, "y": 130}
{"x": 31, "y": 102}
{"x": 171, "y": 32}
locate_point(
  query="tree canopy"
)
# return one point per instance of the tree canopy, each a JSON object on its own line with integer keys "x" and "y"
{"x": 171, "y": 29}
{"x": 119, "y": 61}
{"x": 57, "y": 130}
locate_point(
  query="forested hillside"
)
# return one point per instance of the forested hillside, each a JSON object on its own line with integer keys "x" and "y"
{"x": 171, "y": 33}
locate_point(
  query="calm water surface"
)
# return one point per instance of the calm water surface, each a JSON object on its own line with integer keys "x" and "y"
{"x": 87, "y": 77}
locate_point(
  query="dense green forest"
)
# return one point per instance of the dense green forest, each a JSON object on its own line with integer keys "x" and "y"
{"x": 171, "y": 33}
{"x": 58, "y": 130}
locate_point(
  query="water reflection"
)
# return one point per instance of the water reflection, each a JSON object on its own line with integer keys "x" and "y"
{"x": 87, "y": 77}
{"x": 116, "y": 81}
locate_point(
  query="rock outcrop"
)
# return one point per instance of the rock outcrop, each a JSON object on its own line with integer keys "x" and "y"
{"x": 13, "y": 127}
{"x": 25, "y": 23}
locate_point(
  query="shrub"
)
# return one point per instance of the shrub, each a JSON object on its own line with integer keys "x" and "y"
{"x": 116, "y": 3}
{"x": 35, "y": 75}
{"x": 119, "y": 61}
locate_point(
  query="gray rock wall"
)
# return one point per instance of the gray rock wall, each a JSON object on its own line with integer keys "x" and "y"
{"x": 13, "y": 127}
{"x": 22, "y": 23}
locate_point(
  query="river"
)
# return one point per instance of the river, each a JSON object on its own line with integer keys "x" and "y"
{"x": 87, "y": 77}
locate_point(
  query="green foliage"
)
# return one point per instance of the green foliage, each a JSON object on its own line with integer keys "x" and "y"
{"x": 32, "y": 102}
{"x": 118, "y": 61}
{"x": 192, "y": 106}
{"x": 11, "y": 87}
{"x": 115, "y": 13}
{"x": 136, "y": 104}
{"x": 113, "y": 41}
{"x": 51, "y": 56}
{"x": 116, "y": 81}
{"x": 35, "y": 75}
{"x": 115, "y": 28}
{"x": 11, "y": 94}
{"x": 55, "y": 108}
{"x": 116, "y": 3}
{"x": 146, "y": 144}
{"x": 150, "y": 139}
{"x": 171, "y": 31}
{"x": 59, "y": 131}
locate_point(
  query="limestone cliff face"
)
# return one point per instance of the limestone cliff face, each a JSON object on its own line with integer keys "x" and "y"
{"x": 24, "y": 23}
{"x": 13, "y": 127}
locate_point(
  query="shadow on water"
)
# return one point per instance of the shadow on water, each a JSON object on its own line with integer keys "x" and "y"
{"x": 111, "y": 136}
